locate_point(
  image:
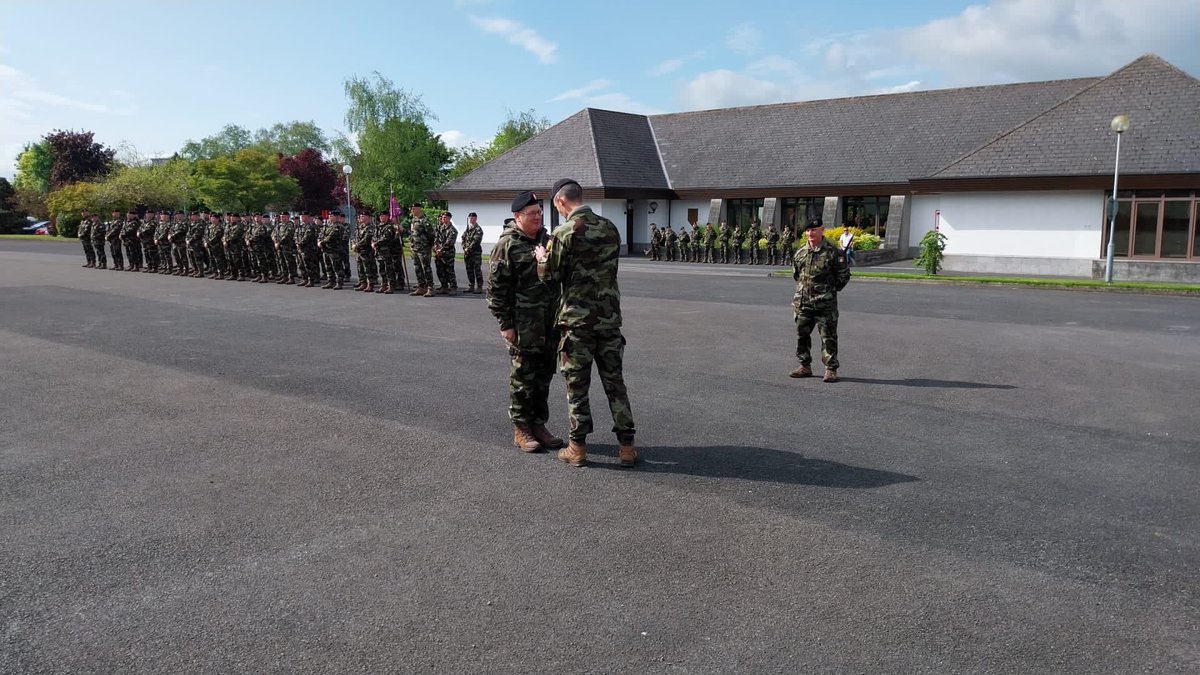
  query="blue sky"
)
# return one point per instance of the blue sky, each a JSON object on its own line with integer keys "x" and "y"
{"x": 147, "y": 76}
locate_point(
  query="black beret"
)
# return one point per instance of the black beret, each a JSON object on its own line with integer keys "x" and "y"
{"x": 415, "y": 205}
{"x": 472, "y": 215}
{"x": 509, "y": 221}
{"x": 522, "y": 200}
{"x": 815, "y": 221}
{"x": 559, "y": 185}
{"x": 447, "y": 214}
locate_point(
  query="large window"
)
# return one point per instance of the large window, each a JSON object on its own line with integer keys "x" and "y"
{"x": 797, "y": 210}
{"x": 869, "y": 213}
{"x": 741, "y": 212}
{"x": 1155, "y": 224}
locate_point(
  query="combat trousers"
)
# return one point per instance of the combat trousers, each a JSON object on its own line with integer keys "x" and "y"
{"x": 754, "y": 254}
{"x": 474, "y": 264}
{"x": 825, "y": 320}
{"x": 784, "y": 256}
{"x": 114, "y": 249}
{"x": 577, "y": 352}
{"x": 421, "y": 269}
{"x": 708, "y": 254}
{"x": 445, "y": 272}
{"x": 98, "y": 249}
{"x": 89, "y": 252}
{"x": 150, "y": 255}
{"x": 529, "y": 384}
{"x": 133, "y": 253}
{"x": 198, "y": 259}
{"x": 287, "y": 262}
{"x": 771, "y": 255}
{"x": 724, "y": 253}
{"x": 368, "y": 269}
{"x": 310, "y": 259}
{"x": 333, "y": 267}
{"x": 181, "y": 256}
{"x": 233, "y": 260}
{"x": 164, "y": 255}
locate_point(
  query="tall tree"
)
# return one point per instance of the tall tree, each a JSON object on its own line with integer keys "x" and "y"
{"x": 225, "y": 142}
{"x": 247, "y": 181}
{"x": 316, "y": 177}
{"x": 34, "y": 165}
{"x": 162, "y": 186}
{"x": 291, "y": 138}
{"x": 77, "y": 156}
{"x": 515, "y": 130}
{"x": 376, "y": 100}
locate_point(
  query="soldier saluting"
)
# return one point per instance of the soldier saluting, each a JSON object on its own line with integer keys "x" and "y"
{"x": 820, "y": 273}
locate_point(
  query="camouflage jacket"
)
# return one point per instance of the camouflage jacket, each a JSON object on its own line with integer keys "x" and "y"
{"x": 736, "y": 236}
{"x": 113, "y": 230}
{"x": 787, "y": 238}
{"x": 99, "y": 231}
{"x": 235, "y": 234}
{"x": 84, "y": 231}
{"x": 671, "y": 237}
{"x": 819, "y": 273}
{"x": 685, "y": 239}
{"x": 363, "y": 236}
{"x": 260, "y": 234}
{"x": 421, "y": 234}
{"x": 129, "y": 230}
{"x": 581, "y": 262}
{"x": 214, "y": 232}
{"x": 306, "y": 235}
{"x": 332, "y": 236}
{"x": 772, "y": 236}
{"x": 472, "y": 239}
{"x": 179, "y": 232}
{"x": 655, "y": 236}
{"x": 723, "y": 233}
{"x": 195, "y": 233}
{"x": 754, "y": 234}
{"x": 385, "y": 238}
{"x": 146, "y": 232}
{"x": 444, "y": 240}
{"x": 284, "y": 233}
{"x": 515, "y": 295}
{"x": 710, "y": 235}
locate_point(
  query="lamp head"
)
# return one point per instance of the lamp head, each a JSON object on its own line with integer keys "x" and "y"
{"x": 347, "y": 169}
{"x": 1120, "y": 124}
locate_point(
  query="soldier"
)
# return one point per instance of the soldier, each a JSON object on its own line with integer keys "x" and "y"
{"x": 195, "y": 245}
{"x": 524, "y": 308}
{"x": 364, "y": 236}
{"x": 472, "y": 245}
{"x": 331, "y": 241}
{"x": 786, "y": 249}
{"x": 753, "y": 235}
{"x": 162, "y": 244}
{"x": 697, "y": 243}
{"x": 99, "y": 236}
{"x": 307, "y": 233}
{"x": 383, "y": 243}
{"x": 145, "y": 235}
{"x": 133, "y": 246}
{"x": 736, "y": 237}
{"x": 772, "y": 245}
{"x": 284, "y": 239}
{"x": 422, "y": 248}
{"x": 445, "y": 239}
{"x": 671, "y": 243}
{"x": 710, "y": 243}
{"x": 820, "y": 273}
{"x": 178, "y": 236}
{"x": 259, "y": 237}
{"x": 685, "y": 245}
{"x": 655, "y": 242}
{"x": 113, "y": 234}
{"x": 723, "y": 234}
{"x": 234, "y": 242}
{"x": 214, "y": 235}
{"x": 580, "y": 261}
{"x": 84, "y": 232}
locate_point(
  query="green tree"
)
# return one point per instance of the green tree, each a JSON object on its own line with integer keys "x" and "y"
{"x": 290, "y": 139}
{"x": 66, "y": 203}
{"x": 225, "y": 142}
{"x": 515, "y": 130}
{"x": 34, "y": 166}
{"x": 931, "y": 248}
{"x": 247, "y": 181}
{"x": 163, "y": 186}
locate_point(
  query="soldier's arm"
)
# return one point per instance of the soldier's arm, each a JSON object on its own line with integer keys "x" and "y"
{"x": 841, "y": 272}
{"x": 550, "y": 265}
{"x": 499, "y": 287}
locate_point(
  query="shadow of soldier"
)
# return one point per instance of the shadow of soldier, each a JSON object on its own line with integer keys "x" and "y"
{"x": 922, "y": 382}
{"x": 746, "y": 463}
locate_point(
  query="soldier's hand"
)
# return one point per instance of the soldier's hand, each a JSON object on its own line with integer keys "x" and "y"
{"x": 539, "y": 252}
{"x": 510, "y": 335}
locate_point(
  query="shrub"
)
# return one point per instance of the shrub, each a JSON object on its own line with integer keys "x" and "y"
{"x": 932, "y": 245}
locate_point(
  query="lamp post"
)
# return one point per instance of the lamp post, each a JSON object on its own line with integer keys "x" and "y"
{"x": 351, "y": 231}
{"x": 1119, "y": 124}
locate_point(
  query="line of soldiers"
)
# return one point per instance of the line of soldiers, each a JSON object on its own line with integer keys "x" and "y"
{"x": 721, "y": 244}
{"x": 302, "y": 250}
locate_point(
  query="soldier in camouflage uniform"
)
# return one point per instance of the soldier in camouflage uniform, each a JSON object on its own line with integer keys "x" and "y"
{"x": 214, "y": 233}
{"x": 195, "y": 246}
{"x": 820, "y": 273}
{"x": 162, "y": 242}
{"x": 697, "y": 243}
{"x": 145, "y": 235}
{"x": 307, "y": 233}
{"x": 753, "y": 236}
{"x": 364, "y": 252}
{"x": 235, "y": 246}
{"x": 113, "y": 234}
{"x": 284, "y": 238}
{"x": 524, "y": 308}
{"x": 710, "y": 243}
{"x": 670, "y": 244}
{"x": 421, "y": 233}
{"x": 445, "y": 239}
{"x": 655, "y": 242}
{"x": 330, "y": 241}
{"x": 786, "y": 249}
{"x": 772, "y": 245}
{"x": 133, "y": 245}
{"x": 580, "y": 260}
{"x": 179, "y": 233}
{"x": 472, "y": 245}
{"x": 685, "y": 245}
{"x": 99, "y": 236}
{"x": 84, "y": 232}
{"x": 384, "y": 244}
{"x": 723, "y": 235}
{"x": 258, "y": 237}
{"x": 736, "y": 237}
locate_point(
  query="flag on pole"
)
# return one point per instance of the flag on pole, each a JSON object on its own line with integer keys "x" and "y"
{"x": 393, "y": 207}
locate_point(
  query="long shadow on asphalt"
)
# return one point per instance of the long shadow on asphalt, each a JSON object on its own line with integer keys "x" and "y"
{"x": 749, "y": 463}
{"x": 921, "y": 382}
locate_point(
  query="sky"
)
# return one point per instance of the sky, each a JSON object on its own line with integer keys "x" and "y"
{"x": 148, "y": 76}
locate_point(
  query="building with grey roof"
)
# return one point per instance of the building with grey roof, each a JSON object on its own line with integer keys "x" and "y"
{"x": 1017, "y": 175}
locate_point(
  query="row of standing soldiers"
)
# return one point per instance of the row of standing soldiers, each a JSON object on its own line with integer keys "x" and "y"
{"x": 721, "y": 244}
{"x": 301, "y": 250}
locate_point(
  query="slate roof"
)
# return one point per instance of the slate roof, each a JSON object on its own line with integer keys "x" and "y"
{"x": 1055, "y": 128}
{"x": 1073, "y": 137}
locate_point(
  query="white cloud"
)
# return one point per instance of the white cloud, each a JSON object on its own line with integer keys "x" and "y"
{"x": 901, "y": 88}
{"x": 725, "y": 88}
{"x": 520, "y": 35}
{"x": 667, "y": 67}
{"x": 580, "y": 92}
{"x": 745, "y": 39}
{"x": 835, "y": 57}
{"x": 621, "y": 103}
{"x": 453, "y": 138}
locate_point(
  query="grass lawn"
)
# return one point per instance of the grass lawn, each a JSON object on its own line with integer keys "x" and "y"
{"x": 1085, "y": 284}
{"x": 37, "y": 237}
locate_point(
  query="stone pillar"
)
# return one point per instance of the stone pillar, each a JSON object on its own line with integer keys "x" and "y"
{"x": 770, "y": 212}
{"x": 897, "y": 225}
{"x": 714, "y": 211}
{"x": 830, "y": 215}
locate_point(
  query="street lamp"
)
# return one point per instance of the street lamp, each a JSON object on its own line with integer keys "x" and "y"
{"x": 351, "y": 234}
{"x": 1119, "y": 124}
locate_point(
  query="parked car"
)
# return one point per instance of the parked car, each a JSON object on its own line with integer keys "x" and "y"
{"x": 40, "y": 227}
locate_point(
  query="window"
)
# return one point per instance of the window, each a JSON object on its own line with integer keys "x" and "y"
{"x": 741, "y": 212}
{"x": 797, "y": 210}
{"x": 869, "y": 213}
{"x": 1155, "y": 224}
{"x": 693, "y": 216}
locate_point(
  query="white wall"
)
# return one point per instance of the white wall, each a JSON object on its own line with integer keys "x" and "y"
{"x": 491, "y": 218}
{"x": 1023, "y": 224}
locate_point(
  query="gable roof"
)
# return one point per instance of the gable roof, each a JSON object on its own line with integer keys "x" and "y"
{"x": 1073, "y": 137}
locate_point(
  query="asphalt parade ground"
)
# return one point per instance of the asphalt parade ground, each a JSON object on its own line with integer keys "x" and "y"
{"x": 204, "y": 476}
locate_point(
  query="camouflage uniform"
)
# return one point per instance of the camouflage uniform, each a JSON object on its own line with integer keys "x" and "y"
{"x": 260, "y": 248}
{"x": 672, "y": 243}
{"x": 364, "y": 253}
{"x": 655, "y": 243}
{"x": 214, "y": 233}
{"x": 133, "y": 245}
{"x": 179, "y": 233}
{"x": 162, "y": 241}
{"x": 787, "y": 249}
{"x": 383, "y": 243}
{"x": 445, "y": 239}
{"x": 85, "y": 238}
{"x": 710, "y": 243}
{"x": 422, "y": 249}
{"x": 736, "y": 237}
{"x": 332, "y": 243}
{"x": 723, "y": 234}
{"x": 472, "y": 245}
{"x": 819, "y": 275}
{"x": 772, "y": 246}
{"x": 99, "y": 235}
{"x": 235, "y": 246}
{"x": 114, "y": 243}
{"x": 581, "y": 260}
{"x": 697, "y": 243}
{"x": 520, "y": 301}
{"x": 310, "y": 254}
{"x": 197, "y": 256}
{"x": 149, "y": 247}
{"x": 754, "y": 235}
{"x": 284, "y": 238}
{"x": 685, "y": 245}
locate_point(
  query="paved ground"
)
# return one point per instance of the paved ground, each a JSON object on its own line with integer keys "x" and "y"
{"x": 203, "y": 476}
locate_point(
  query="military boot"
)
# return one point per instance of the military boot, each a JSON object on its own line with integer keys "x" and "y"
{"x": 418, "y": 290}
{"x": 802, "y": 371}
{"x": 543, "y": 436}
{"x": 523, "y": 439}
{"x": 338, "y": 285}
{"x": 454, "y": 290}
{"x": 328, "y": 284}
{"x": 429, "y": 292}
{"x": 369, "y": 288}
{"x": 574, "y": 454}
{"x": 360, "y": 285}
{"x": 830, "y": 375}
{"x": 627, "y": 455}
